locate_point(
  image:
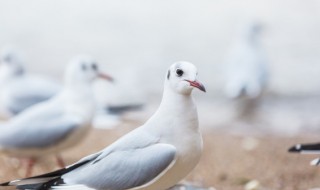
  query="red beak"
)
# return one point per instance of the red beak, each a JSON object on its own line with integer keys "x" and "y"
{"x": 197, "y": 84}
{"x": 105, "y": 76}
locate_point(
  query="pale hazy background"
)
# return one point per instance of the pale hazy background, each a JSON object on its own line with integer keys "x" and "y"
{"x": 136, "y": 40}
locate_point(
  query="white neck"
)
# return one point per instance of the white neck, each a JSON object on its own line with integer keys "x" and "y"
{"x": 6, "y": 76}
{"x": 175, "y": 102}
{"x": 176, "y": 112}
{"x": 79, "y": 100}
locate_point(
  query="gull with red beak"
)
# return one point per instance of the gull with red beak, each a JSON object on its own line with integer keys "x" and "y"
{"x": 52, "y": 126}
{"x": 154, "y": 156}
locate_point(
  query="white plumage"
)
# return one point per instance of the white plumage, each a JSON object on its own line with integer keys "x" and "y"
{"x": 155, "y": 156}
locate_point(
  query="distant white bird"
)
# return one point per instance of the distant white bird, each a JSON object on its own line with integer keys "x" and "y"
{"x": 246, "y": 71}
{"x": 312, "y": 148}
{"x": 19, "y": 89}
{"x": 57, "y": 124}
{"x": 246, "y": 65}
{"x": 154, "y": 156}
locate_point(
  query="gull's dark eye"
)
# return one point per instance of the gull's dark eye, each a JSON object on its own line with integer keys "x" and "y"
{"x": 179, "y": 72}
{"x": 83, "y": 67}
{"x": 94, "y": 66}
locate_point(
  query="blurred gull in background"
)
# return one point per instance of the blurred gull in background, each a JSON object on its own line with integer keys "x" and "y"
{"x": 19, "y": 89}
{"x": 115, "y": 98}
{"x": 57, "y": 124}
{"x": 114, "y": 102}
{"x": 246, "y": 71}
{"x": 155, "y": 156}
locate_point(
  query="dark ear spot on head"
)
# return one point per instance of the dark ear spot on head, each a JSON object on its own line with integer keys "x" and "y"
{"x": 168, "y": 75}
{"x": 94, "y": 66}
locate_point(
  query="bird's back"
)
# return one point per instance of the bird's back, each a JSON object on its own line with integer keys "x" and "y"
{"x": 26, "y": 91}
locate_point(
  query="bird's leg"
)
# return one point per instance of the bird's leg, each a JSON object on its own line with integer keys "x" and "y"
{"x": 60, "y": 161}
{"x": 30, "y": 163}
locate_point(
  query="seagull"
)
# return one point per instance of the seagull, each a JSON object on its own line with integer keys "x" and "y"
{"x": 313, "y": 148}
{"x": 20, "y": 89}
{"x": 58, "y": 123}
{"x": 247, "y": 65}
{"x": 246, "y": 69}
{"x": 154, "y": 156}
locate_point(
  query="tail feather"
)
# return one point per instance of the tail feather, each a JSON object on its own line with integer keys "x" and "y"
{"x": 42, "y": 186}
{"x": 45, "y": 181}
{"x": 28, "y": 181}
{"x": 28, "y": 187}
{"x": 306, "y": 148}
{"x": 118, "y": 110}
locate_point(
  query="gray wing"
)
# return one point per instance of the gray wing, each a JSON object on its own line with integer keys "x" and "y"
{"x": 37, "y": 132}
{"x": 21, "y": 103}
{"x": 124, "y": 169}
{"x": 27, "y": 91}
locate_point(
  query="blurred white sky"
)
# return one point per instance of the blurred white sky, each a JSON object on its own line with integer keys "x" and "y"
{"x": 137, "y": 40}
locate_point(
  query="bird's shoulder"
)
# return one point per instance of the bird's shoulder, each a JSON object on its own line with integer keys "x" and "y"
{"x": 36, "y": 85}
{"x": 136, "y": 139}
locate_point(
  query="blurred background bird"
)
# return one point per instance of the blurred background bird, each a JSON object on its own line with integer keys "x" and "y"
{"x": 56, "y": 124}
{"x": 20, "y": 89}
{"x": 311, "y": 148}
{"x": 246, "y": 70}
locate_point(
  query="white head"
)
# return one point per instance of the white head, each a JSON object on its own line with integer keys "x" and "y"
{"x": 10, "y": 63}
{"x": 182, "y": 78}
{"x": 83, "y": 70}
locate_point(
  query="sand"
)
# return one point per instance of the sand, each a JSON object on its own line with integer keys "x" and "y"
{"x": 226, "y": 164}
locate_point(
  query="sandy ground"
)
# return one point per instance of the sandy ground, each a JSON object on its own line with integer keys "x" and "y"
{"x": 226, "y": 164}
